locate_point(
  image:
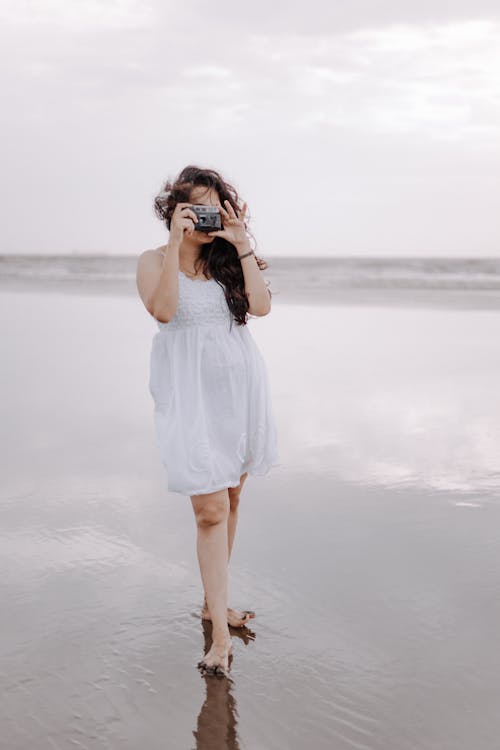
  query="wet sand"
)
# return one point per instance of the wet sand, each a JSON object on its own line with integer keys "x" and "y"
{"x": 371, "y": 555}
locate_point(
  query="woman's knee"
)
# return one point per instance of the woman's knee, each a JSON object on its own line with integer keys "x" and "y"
{"x": 210, "y": 510}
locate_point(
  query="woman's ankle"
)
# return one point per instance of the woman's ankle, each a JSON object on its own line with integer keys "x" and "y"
{"x": 221, "y": 635}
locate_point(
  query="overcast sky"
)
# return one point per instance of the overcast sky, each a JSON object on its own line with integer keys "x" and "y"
{"x": 350, "y": 128}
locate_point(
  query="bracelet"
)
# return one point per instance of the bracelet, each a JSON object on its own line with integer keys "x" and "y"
{"x": 251, "y": 252}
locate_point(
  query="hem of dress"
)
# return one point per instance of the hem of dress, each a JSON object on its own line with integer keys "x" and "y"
{"x": 206, "y": 492}
{"x": 251, "y": 471}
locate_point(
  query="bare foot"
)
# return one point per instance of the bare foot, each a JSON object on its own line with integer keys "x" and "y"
{"x": 216, "y": 660}
{"x": 235, "y": 617}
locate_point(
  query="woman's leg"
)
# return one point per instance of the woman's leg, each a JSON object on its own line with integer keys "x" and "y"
{"x": 235, "y": 617}
{"x": 211, "y": 513}
{"x": 234, "y": 500}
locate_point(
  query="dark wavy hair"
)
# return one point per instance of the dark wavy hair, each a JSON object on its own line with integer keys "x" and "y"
{"x": 218, "y": 258}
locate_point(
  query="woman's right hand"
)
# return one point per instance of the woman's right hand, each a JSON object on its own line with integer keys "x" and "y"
{"x": 182, "y": 221}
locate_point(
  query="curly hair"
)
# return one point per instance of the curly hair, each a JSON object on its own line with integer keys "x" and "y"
{"x": 218, "y": 258}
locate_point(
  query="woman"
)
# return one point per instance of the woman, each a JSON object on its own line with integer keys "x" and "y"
{"x": 212, "y": 408}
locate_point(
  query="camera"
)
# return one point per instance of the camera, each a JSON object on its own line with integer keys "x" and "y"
{"x": 208, "y": 218}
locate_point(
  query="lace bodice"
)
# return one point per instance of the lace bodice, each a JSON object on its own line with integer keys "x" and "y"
{"x": 201, "y": 303}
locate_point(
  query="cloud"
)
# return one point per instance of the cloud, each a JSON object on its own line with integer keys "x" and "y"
{"x": 436, "y": 80}
{"x": 317, "y": 18}
{"x": 355, "y": 93}
{"x": 78, "y": 16}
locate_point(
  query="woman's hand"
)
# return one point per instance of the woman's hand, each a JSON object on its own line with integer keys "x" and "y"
{"x": 234, "y": 225}
{"x": 183, "y": 220}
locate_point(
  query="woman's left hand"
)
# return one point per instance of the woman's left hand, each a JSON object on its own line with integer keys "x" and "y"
{"x": 234, "y": 225}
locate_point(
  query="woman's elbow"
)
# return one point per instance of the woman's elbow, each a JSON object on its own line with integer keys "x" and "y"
{"x": 259, "y": 312}
{"x": 160, "y": 316}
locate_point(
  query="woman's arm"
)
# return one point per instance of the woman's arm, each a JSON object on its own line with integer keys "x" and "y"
{"x": 259, "y": 298}
{"x": 157, "y": 279}
{"x": 258, "y": 295}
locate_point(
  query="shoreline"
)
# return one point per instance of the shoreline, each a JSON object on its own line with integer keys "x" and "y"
{"x": 409, "y": 297}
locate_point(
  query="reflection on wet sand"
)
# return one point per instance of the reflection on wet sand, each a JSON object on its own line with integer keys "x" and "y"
{"x": 396, "y": 398}
{"x": 371, "y": 555}
{"x": 217, "y": 725}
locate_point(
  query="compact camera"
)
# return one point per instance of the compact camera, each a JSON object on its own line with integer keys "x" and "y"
{"x": 209, "y": 219}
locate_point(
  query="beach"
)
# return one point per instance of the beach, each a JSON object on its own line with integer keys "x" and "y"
{"x": 370, "y": 555}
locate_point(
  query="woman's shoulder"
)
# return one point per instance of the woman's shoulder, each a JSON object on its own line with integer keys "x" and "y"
{"x": 151, "y": 254}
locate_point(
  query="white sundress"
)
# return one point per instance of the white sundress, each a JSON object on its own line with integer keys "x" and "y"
{"x": 213, "y": 414}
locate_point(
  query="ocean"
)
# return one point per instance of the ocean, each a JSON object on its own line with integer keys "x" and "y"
{"x": 409, "y": 281}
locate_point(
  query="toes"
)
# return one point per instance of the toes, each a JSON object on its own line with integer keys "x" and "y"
{"x": 214, "y": 670}
{"x": 240, "y": 619}
{"x": 243, "y": 621}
